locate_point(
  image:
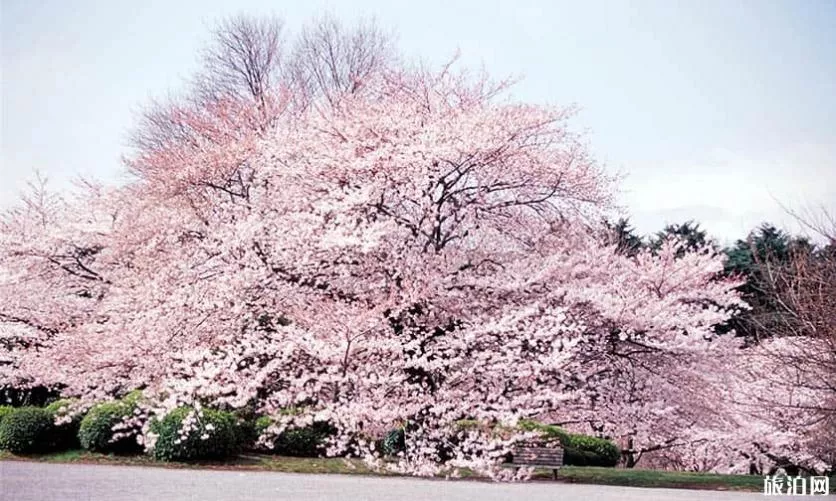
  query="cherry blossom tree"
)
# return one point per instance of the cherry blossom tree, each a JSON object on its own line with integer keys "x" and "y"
{"x": 732, "y": 406}
{"x": 54, "y": 269}
{"x": 324, "y": 229}
{"x": 415, "y": 255}
{"x": 800, "y": 359}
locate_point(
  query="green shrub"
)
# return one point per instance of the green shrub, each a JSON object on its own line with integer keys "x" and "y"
{"x": 95, "y": 432}
{"x": 215, "y": 436}
{"x": 245, "y": 418}
{"x": 26, "y": 429}
{"x": 583, "y": 450}
{"x": 548, "y": 432}
{"x": 261, "y": 424}
{"x": 57, "y": 405}
{"x": 250, "y": 427}
{"x": 308, "y": 441}
{"x": 468, "y": 424}
{"x": 578, "y": 450}
{"x": 132, "y": 398}
{"x": 65, "y": 435}
{"x": 4, "y": 410}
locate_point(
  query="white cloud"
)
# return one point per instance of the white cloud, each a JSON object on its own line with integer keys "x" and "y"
{"x": 731, "y": 192}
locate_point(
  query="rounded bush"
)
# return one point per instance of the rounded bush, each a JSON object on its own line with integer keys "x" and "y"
{"x": 583, "y": 450}
{"x": 308, "y": 441}
{"x": 4, "y": 410}
{"x": 578, "y": 450}
{"x": 26, "y": 429}
{"x": 215, "y": 435}
{"x": 56, "y": 406}
{"x": 250, "y": 427}
{"x": 132, "y": 398}
{"x": 95, "y": 432}
{"x": 259, "y": 426}
{"x": 549, "y": 433}
{"x": 65, "y": 435}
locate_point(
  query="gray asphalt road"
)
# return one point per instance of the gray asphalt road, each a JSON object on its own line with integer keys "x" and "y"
{"x": 23, "y": 481}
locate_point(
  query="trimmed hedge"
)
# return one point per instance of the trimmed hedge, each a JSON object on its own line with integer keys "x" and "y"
{"x": 216, "y": 436}
{"x": 259, "y": 426}
{"x": 4, "y": 410}
{"x": 549, "y": 432}
{"x": 65, "y": 435}
{"x": 96, "y": 429}
{"x": 132, "y": 398}
{"x": 583, "y": 450}
{"x": 56, "y": 406}
{"x": 250, "y": 427}
{"x": 26, "y": 429}
{"x": 578, "y": 450}
{"x": 308, "y": 441}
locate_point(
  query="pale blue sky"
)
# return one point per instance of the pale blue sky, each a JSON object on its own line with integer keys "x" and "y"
{"x": 713, "y": 109}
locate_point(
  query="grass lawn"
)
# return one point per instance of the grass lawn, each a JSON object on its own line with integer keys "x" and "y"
{"x": 572, "y": 474}
{"x": 655, "y": 478}
{"x": 261, "y": 462}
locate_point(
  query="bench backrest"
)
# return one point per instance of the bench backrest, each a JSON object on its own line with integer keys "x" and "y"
{"x": 537, "y": 456}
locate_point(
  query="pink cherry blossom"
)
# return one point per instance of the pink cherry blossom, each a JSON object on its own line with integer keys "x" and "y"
{"x": 420, "y": 253}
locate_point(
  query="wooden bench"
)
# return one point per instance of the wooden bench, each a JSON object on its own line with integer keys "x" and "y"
{"x": 538, "y": 457}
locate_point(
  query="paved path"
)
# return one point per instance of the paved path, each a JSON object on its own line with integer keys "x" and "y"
{"x": 24, "y": 481}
